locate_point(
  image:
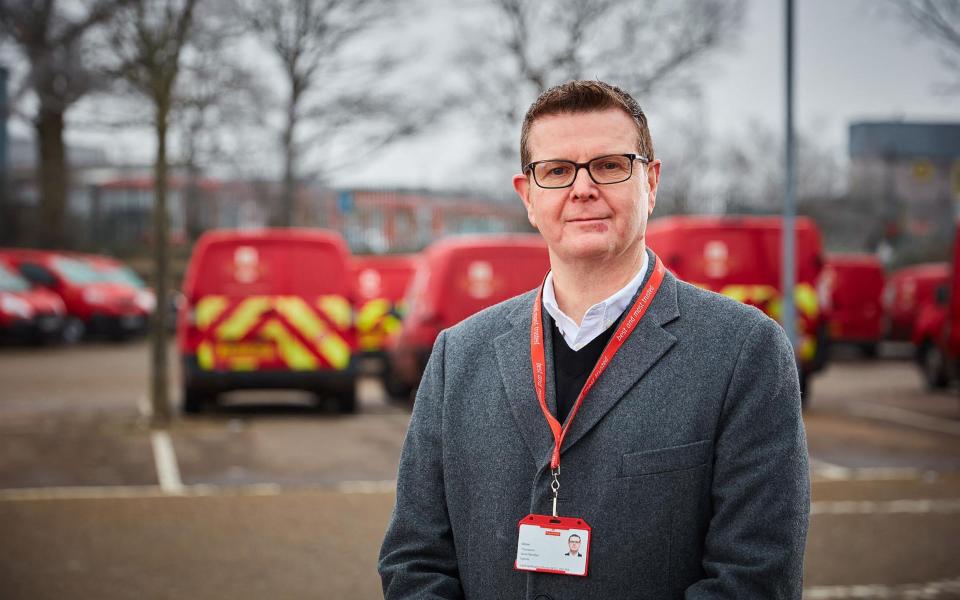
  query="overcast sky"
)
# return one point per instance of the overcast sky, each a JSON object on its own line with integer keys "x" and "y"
{"x": 854, "y": 62}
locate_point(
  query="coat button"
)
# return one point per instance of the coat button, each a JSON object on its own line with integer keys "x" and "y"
{"x": 543, "y": 597}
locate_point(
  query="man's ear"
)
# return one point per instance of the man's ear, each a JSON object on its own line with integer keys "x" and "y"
{"x": 521, "y": 183}
{"x": 653, "y": 183}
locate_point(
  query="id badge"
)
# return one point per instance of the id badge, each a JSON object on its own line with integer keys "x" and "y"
{"x": 558, "y": 545}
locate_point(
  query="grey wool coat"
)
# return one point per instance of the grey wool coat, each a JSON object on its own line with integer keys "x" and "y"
{"x": 688, "y": 459}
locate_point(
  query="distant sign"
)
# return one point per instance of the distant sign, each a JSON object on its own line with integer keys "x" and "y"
{"x": 345, "y": 202}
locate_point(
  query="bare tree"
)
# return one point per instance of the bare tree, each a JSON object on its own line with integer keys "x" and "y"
{"x": 939, "y": 22}
{"x": 516, "y": 49}
{"x": 217, "y": 94}
{"x": 149, "y": 40}
{"x": 335, "y": 81}
{"x": 51, "y": 36}
{"x": 753, "y": 173}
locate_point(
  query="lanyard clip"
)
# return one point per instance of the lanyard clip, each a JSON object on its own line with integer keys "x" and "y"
{"x": 555, "y": 487}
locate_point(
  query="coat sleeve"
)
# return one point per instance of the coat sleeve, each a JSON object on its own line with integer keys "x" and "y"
{"x": 418, "y": 558}
{"x": 761, "y": 487}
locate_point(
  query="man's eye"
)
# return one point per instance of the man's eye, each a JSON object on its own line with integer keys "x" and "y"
{"x": 559, "y": 171}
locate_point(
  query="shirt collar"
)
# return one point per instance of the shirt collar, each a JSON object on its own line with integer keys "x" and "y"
{"x": 599, "y": 316}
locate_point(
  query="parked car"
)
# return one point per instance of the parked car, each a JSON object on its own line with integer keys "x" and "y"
{"x": 457, "y": 277}
{"x": 27, "y": 314}
{"x": 381, "y": 285}
{"x": 94, "y": 306}
{"x": 739, "y": 257}
{"x": 906, "y": 291}
{"x": 855, "y": 284}
{"x": 268, "y": 308}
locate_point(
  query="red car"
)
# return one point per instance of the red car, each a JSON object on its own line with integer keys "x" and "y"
{"x": 855, "y": 284}
{"x": 94, "y": 306}
{"x": 907, "y": 290}
{"x": 268, "y": 309}
{"x": 26, "y": 313}
{"x": 739, "y": 257}
{"x": 457, "y": 277}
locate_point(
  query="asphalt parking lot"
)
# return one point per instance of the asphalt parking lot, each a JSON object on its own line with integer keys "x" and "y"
{"x": 271, "y": 496}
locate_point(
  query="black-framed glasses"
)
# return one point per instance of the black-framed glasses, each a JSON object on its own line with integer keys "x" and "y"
{"x": 603, "y": 170}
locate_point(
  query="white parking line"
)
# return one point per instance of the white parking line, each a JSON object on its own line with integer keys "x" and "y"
{"x": 168, "y": 473}
{"x": 823, "y": 470}
{"x": 134, "y": 491}
{"x": 947, "y": 588}
{"x": 947, "y": 506}
{"x": 900, "y": 416}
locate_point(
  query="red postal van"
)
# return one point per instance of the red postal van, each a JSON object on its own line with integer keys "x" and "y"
{"x": 457, "y": 277}
{"x": 381, "y": 285}
{"x": 739, "y": 257}
{"x": 908, "y": 289}
{"x": 855, "y": 284}
{"x": 267, "y": 309}
{"x": 936, "y": 335}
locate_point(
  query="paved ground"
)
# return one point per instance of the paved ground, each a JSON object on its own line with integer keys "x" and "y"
{"x": 273, "y": 497}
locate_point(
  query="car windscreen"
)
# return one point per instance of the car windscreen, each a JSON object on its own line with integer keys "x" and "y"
{"x": 124, "y": 275}
{"x": 271, "y": 267}
{"x": 11, "y": 282}
{"x": 76, "y": 271}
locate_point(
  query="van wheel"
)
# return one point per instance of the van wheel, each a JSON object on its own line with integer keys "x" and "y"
{"x": 347, "y": 399}
{"x": 869, "y": 350}
{"x": 934, "y": 367}
{"x": 73, "y": 330}
{"x": 193, "y": 401}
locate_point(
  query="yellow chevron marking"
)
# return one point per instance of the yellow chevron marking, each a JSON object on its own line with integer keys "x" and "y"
{"x": 294, "y": 354}
{"x": 208, "y": 309}
{"x": 806, "y": 298}
{"x": 335, "y": 350}
{"x": 301, "y": 316}
{"x": 205, "y": 356}
{"x": 245, "y": 316}
{"x": 337, "y": 309}
{"x": 371, "y": 313}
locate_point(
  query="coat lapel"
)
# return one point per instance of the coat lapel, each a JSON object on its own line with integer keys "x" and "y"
{"x": 639, "y": 353}
{"x": 513, "y": 356}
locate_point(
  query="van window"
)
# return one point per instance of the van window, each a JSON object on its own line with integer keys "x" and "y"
{"x": 76, "y": 271}
{"x": 11, "y": 282}
{"x": 268, "y": 267}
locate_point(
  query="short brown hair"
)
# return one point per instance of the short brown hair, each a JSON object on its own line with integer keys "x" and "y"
{"x": 581, "y": 97}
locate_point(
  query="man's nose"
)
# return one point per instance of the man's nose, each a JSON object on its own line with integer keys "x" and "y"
{"x": 583, "y": 185}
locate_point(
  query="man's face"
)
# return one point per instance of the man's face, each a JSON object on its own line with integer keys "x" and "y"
{"x": 574, "y": 544}
{"x": 588, "y": 220}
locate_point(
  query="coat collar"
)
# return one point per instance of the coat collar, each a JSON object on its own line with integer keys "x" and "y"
{"x": 638, "y": 354}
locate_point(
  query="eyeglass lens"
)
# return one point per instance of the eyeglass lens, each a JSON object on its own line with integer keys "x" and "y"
{"x": 605, "y": 169}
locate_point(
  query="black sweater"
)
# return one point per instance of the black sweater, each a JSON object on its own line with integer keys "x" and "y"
{"x": 572, "y": 367}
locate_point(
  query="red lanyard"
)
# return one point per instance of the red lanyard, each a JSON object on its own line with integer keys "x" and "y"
{"x": 538, "y": 358}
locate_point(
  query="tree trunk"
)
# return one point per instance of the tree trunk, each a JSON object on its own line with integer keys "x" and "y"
{"x": 159, "y": 393}
{"x": 284, "y": 217}
{"x": 52, "y": 177}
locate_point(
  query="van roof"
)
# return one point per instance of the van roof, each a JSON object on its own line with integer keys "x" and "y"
{"x": 854, "y": 259}
{"x": 739, "y": 222}
{"x": 271, "y": 234}
{"x": 484, "y": 241}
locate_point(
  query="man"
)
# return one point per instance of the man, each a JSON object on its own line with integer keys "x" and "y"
{"x": 685, "y": 456}
{"x": 573, "y": 543}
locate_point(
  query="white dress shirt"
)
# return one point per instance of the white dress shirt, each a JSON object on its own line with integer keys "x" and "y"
{"x": 598, "y": 317}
